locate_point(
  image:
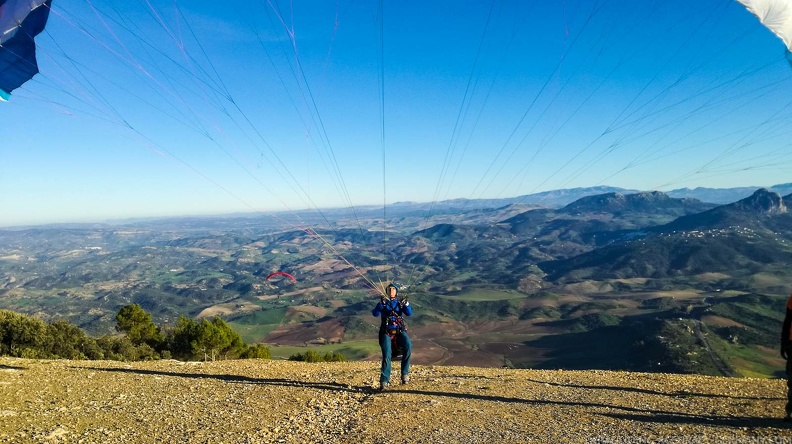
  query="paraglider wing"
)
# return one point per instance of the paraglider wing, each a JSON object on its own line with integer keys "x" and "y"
{"x": 281, "y": 273}
{"x": 776, "y": 15}
{"x": 20, "y": 21}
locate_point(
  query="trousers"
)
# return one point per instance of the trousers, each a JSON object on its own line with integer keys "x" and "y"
{"x": 403, "y": 341}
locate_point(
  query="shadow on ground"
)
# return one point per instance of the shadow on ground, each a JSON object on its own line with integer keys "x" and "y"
{"x": 11, "y": 367}
{"x": 677, "y": 394}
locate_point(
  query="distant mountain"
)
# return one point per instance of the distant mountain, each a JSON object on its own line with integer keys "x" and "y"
{"x": 751, "y": 211}
{"x": 607, "y": 212}
{"x": 563, "y": 197}
{"x": 552, "y": 199}
{"x": 560, "y": 198}
{"x": 653, "y": 202}
{"x": 511, "y": 247}
{"x": 671, "y": 256}
{"x": 725, "y": 195}
{"x": 740, "y": 237}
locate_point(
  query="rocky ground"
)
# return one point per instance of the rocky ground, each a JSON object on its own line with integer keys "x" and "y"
{"x": 255, "y": 401}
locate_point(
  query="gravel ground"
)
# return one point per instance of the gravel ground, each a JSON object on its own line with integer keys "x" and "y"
{"x": 254, "y": 401}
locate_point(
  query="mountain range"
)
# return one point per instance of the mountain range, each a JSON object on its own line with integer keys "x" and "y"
{"x": 563, "y": 197}
{"x": 635, "y": 281}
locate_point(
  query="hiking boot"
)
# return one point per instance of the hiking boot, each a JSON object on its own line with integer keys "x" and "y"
{"x": 405, "y": 379}
{"x": 383, "y": 386}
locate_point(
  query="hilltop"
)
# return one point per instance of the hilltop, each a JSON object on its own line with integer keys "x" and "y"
{"x": 256, "y": 401}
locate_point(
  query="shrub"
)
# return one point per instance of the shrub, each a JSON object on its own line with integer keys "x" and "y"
{"x": 313, "y": 356}
{"x": 21, "y": 334}
{"x": 334, "y": 357}
{"x": 136, "y": 323}
{"x": 257, "y": 351}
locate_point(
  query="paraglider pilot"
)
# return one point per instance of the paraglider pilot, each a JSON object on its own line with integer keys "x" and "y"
{"x": 393, "y": 339}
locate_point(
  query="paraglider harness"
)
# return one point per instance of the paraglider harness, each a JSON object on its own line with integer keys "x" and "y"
{"x": 394, "y": 325}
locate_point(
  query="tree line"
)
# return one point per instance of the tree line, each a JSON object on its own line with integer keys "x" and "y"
{"x": 139, "y": 339}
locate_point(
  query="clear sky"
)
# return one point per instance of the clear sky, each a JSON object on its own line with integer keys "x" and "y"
{"x": 158, "y": 108}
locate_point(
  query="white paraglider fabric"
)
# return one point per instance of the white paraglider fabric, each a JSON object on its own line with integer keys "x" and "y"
{"x": 776, "y": 15}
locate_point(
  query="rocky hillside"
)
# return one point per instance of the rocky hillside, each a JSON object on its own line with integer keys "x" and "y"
{"x": 281, "y": 401}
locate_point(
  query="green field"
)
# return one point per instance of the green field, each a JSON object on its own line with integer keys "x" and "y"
{"x": 255, "y": 326}
{"x": 33, "y": 299}
{"x": 746, "y": 361}
{"x": 252, "y": 334}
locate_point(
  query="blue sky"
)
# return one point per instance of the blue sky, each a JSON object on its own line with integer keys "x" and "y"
{"x": 157, "y": 108}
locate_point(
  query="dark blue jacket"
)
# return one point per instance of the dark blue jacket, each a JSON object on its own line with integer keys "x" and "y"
{"x": 391, "y": 306}
{"x": 385, "y": 310}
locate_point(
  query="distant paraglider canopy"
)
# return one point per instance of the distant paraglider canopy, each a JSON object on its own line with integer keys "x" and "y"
{"x": 282, "y": 273}
{"x": 20, "y": 21}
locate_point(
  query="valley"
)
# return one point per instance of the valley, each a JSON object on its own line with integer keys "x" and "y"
{"x": 640, "y": 282}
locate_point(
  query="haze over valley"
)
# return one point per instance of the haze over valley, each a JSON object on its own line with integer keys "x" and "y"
{"x": 630, "y": 281}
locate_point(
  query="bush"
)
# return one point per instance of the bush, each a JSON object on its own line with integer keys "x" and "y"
{"x": 136, "y": 323}
{"x": 67, "y": 341}
{"x": 21, "y": 334}
{"x": 29, "y": 337}
{"x": 196, "y": 340}
{"x": 313, "y": 356}
{"x": 334, "y": 357}
{"x": 118, "y": 348}
{"x": 146, "y": 353}
{"x": 257, "y": 351}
